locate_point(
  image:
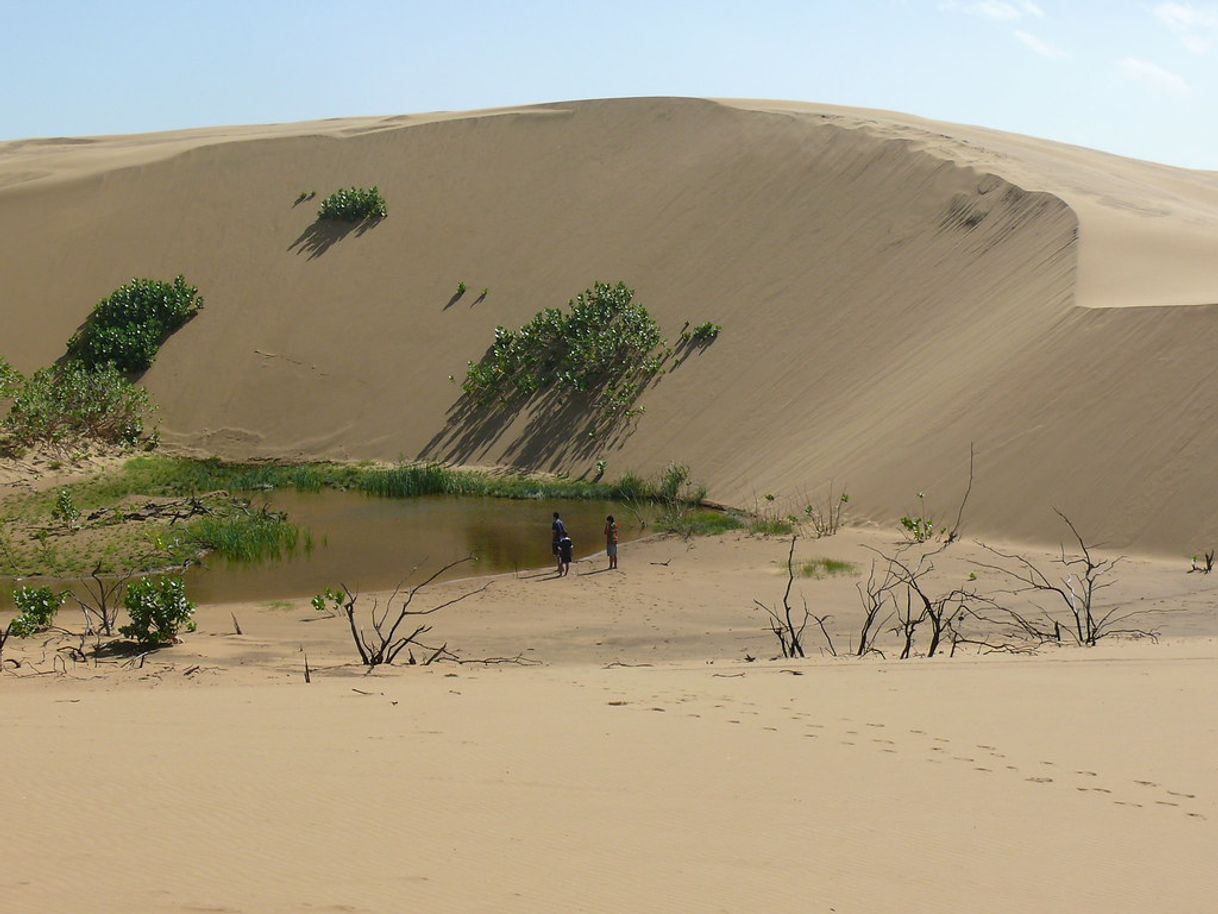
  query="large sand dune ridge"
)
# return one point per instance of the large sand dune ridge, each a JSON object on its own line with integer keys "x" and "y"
{"x": 891, "y": 290}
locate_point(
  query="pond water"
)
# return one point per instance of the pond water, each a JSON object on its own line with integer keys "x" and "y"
{"x": 372, "y": 543}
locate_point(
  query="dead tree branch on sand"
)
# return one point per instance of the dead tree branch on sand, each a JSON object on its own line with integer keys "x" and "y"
{"x": 391, "y": 632}
{"x": 1085, "y": 576}
{"x": 954, "y": 533}
{"x": 787, "y": 627}
{"x": 875, "y": 594}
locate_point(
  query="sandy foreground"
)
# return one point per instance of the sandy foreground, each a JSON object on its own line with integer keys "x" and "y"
{"x": 641, "y": 765}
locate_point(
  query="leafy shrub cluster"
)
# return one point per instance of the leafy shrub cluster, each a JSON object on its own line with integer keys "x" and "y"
{"x": 703, "y": 333}
{"x": 37, "y": 607}
{"x": 128, "y": 327}
{"x": 159, "y": 610}
{"x": 354, "y": 204}
{"x": 65, "y": 401}
{"x": 605, "y": 343}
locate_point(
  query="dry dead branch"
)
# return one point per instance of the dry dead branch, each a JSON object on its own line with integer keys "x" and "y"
{"x": 393, "y": 628}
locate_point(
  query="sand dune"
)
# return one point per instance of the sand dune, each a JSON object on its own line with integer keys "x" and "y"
{"x": 891, "y": 289}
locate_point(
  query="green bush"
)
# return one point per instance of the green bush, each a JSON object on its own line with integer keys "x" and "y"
{"x": 354, "y": 204}
{"x": 66, "y": 401}
{"x": 37, "y": 607}
{"x": 605, "y": 343}
{"x": 705, "y": 333}
{"x": 128, "y": 327}
{"x": 159, "y": 610}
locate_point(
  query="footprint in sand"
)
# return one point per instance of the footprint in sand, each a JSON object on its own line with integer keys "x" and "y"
{"x": 919, "y": 732}
{"x": 1125, "y": 803}
{"x": 1040, "y": 780}
{"x": 986, "y": 770}
{"x": 1146, "y": 783}
{"x": 875, "y": 725}
{"x": 1165, "y": 803}
{"x": 1187, "y": 796}
{"x": 1089, "y": 774}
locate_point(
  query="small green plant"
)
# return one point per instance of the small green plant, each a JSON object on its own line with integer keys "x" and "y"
{"x": 827, "y": 517}
{"x": 826, "y": 568}
{"x": 1204, "y": 568}
{"x": 354, "y": 204}
{"x": 705, "y": 333}
{"x": 483, "y": 294}
{"x": 36, "y": 607}
{"x": 919, "y": 527}
{"x": 65, "y": 510}
{"x": 330, "y": 601}
{"x": 159, "y": 610}
{"x": 460, "y": 288}
{"x": 600, "y": 471}
{"x": 127, "y": 327}
{"x": 303, "y": 196}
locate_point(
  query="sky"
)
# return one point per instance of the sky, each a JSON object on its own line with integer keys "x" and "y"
{"x": 1131, "y": 77}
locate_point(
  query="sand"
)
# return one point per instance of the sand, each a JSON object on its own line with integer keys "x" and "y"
{"x": 640, "y": 764}
{"x": 892, "y": 291}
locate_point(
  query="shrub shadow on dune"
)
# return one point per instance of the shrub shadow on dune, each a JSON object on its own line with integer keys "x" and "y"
{"x": 323, "y": 234}
{"x": 559, "y": 427}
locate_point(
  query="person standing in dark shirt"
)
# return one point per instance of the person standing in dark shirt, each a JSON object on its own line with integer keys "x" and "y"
{"x": 559, "y": 530}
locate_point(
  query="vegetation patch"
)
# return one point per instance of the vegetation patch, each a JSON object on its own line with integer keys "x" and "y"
{"x": 772, "y": 526}
{"x": 69, "y": 401}
{"x": 127, "y": 327}
{"x": 154, "y": 475}
{"x": 246, "y": 535}
{"x": 688, "y": 522}
{"x": 826, "y": 568}
{"x": 354, "y": 204}
{"x": 605, "y": 345}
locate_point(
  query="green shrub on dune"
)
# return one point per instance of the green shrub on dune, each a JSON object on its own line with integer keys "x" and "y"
{"x": 127, "y": 327}
{"x": 354, "y": 204}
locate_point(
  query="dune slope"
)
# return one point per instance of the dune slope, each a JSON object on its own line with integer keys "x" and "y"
{"x": 891, "y": 290}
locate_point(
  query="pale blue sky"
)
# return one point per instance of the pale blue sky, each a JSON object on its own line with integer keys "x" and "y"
{"x": 1137, "y": 78}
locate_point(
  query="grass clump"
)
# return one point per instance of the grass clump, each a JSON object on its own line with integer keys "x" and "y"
{"x": 826, "y": 568}
{"x": 127, "y": 327}
{"x": 354, "y": 204}
{"x": 687, "y": 522}
{"x": 67, "y": 401}
{"x": 246, "y": 536}
{"x": 772, "y": 526}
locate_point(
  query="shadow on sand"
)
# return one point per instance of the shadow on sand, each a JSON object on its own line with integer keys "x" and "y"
{"x": 322, "y": 234}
